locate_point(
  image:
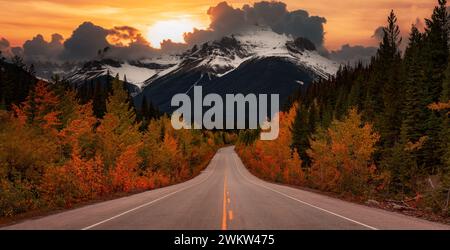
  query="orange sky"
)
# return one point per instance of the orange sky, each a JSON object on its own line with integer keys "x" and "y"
{"x": 349, "y": 21}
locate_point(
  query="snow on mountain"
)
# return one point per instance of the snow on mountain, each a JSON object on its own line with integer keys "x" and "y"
{"x": 136, "y": 72}
{"x": 257, "y": 61}
{"x": 229, "y": 53}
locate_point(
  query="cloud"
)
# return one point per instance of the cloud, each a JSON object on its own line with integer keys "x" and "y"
{"x": 300, "y": 24}
{"x": 124, "y": 36}
{"x": 124, "y": 43}
{"x": 167, "y": 46}
{"x": 353, "y": 54}
{"x": 226, "y": 20}
{"x": 127, "y": 43}
{"x": 378, "y": 34}
{"x": 85, "y": 41}
{"x": 4, "y": 44}
{"x": 38, "y": 49}
{"x": 7, "y": 50}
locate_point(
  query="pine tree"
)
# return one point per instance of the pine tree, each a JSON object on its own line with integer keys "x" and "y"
{"x": 392, "y": 87}
{"x": 415, "y": 110}
{"x": 144, "y": 114}
{"x": 436, "y": 56}
{"x": 301, "y": 132}
{"x": 99, "y": 99}
{"x": 437, "y": 50}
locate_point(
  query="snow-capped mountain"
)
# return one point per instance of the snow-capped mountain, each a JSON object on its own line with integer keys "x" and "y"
{"x": 135, "y": 72}
{"x": 221, "y": 57}
{"x": 255, "y": 61}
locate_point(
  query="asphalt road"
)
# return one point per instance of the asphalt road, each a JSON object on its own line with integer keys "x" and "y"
{"x": 226, "y": 196}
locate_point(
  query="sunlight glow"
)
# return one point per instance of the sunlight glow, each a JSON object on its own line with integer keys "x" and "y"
{"x": 170, "y": 29}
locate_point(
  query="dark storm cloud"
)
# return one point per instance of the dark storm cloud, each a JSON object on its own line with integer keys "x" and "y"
{"x": 127, "y": 43}
{"x": 17, "y": 51}
{"x": 38, "y": 49}
{"x": 124, "y": 43}
{"x": 7, "y": 50}
{"x": 4, "y": 44}
{"x": 226, "y": 20}
{"x": 134, "y": 51}
{"x": 85, "y": 41}
{"x": 4, "y": 48}
{"x": 167, "y": 46}
{"x": 353, "y": 54}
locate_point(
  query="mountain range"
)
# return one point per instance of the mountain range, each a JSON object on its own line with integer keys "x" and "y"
{"x": 256, "y": 60}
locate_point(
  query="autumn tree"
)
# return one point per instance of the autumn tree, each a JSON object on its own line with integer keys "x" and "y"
{"x": 40, "y": 108}
{"x": 342, "y": 156}
{"x": 118, "y": 129}
{"x": 276, "y": 160}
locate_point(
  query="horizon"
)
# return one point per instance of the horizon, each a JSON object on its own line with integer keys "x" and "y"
{"x": 350, "y": 25}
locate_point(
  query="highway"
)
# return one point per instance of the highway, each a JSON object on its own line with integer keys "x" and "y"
{"x": 225, "y": 196}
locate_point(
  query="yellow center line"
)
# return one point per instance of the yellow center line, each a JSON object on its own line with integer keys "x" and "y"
{"x": 230, "y": 214}
{"x": 224, "y": 211}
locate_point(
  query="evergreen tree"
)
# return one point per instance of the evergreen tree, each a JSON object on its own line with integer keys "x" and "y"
{"x": 389, "y": 53}
{"x": 301, "y": 133}
{"x": 144, "y": 115}
{"x": 436, "y": 54}
{"x": 437, "y": 49}
{"x": 99, "y": 99}
{"x": 415, "y": 110}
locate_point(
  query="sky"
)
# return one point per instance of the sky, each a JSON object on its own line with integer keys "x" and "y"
{"x": 348, "y": 21}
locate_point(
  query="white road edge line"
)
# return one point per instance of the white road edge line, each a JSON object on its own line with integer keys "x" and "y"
{"x": 146, "y": 204}
{"x": 303, "y": 202}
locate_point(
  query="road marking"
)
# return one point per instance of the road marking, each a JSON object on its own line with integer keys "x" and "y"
{"x": 148, "y": 203}
{"x": 300, "y": 201}
{"x": 224, "y": 209}
{"x": 230, "y": 214}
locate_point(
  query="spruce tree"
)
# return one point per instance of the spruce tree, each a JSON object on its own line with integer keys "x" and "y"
{"x": 389, "y": 53}
{"x": 301, "y": 133}
{"x": 144, "y": 114}
{"x": 415, "y": 110}
{"x": 436, "y": 54}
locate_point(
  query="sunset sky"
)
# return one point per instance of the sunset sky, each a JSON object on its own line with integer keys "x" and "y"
{"x": 349, "y": 21}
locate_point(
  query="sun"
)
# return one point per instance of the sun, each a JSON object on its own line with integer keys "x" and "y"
{"x": 170, "y": 29}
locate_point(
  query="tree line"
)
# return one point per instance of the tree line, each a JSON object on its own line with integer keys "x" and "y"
{"x": 55, "y": 152}
{"x": 382, "y": 129}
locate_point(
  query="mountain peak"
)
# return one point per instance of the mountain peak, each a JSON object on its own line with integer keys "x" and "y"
{"x": 223, "y": 56}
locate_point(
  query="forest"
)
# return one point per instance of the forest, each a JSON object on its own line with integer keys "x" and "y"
{"x": 56, "y": 153}
{"x": 378, "y": 131}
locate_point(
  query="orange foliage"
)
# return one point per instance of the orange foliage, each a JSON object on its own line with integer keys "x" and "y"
{"x": 81, "y": 125}
{"x": 39, "y": 108}
{"x": 275, "y": 160}
{"x": 123, "y": 175}
{"x": 57, "y": 153}
{"x": 342, "y": 156}
{"x": 77, "y": 180}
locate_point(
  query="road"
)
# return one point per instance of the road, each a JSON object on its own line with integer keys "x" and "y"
{"x": 227, "y": 197}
